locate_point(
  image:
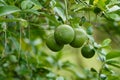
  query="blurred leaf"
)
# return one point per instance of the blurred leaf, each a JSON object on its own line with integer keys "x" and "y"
{"x": 4, "y": 10}
{"x": 67, "y": 64}
{"x": 95, "y": 2}
{"x": 114, "y": 63}
{"x": 31, "y": 11}
{"x": 2, "y": 3}
{"x": 29, "y": 4}
{"x": 13, "y": 58}
{"x": 51, "y": 75}
{"x": 37, "y": 5}
{"x": 90, "y": 30}
{"x": 60, "y": 78}
{"x": 106, "y": 70}
{"x": 114, "y": 8}
{"x": 101, "y": 4}
{"x": 91, "y": 2}
{"x": 75, "y": 22}
{"x": 107, "y": 1}
{"x": 26, "y": 4}
{"x": 103, "y": 76}
{"x": 43, "y": 71}
{"x": 82, "y": 21}
{"x": 51, "y": 18}
{"x": 114, "y": 16}
{"x": 113, "y": 77}
{"x": 113, "y": 54}
{"x": 97, "y": 10}
{"x": 106, "y": 42}
{"x": 60, "y": 12}
{"x": 93, "y": 70}
{"x": 16, "y": 44}
{"x": 76, "y": 7}
{"x": 84, "y": 9}
{"x": 36, "y": 2}
{"x": 23, "y": 23}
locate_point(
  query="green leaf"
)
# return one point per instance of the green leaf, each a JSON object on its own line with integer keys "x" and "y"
{"x": 51, "y": 18}
{"x": 113, "y": 77}
{"x": 2, "y": 3}
{"x": 101, "y": 4}
{"x": 114, "y": 16}
{"x": 37, "y": 4}
{"x": 93, "y": 70}
{"x": 97, "y": 10}
{"x": 31, "y": 11}
{"x": 113, "y": 54}
{"x": 26, "y": 4}
{"x": 13, "y": 58}
{"x": 29, "y": 4}
{"x": 114, "y": 8}
{"x": 23, "y": 23}
{"x": 91, "y": 2}
{"x": 106, "y": 42}
{"x": 115, "y": 65}
{"x": 15, "y": 43}
{"x": 107, "y": 1}
{"x": 60, "y": 12}
{"x": 113, "y": 62}
{"x": 4, "y": 10}
{"x": 60, "y": 78}
{"x": 103, "y": 76}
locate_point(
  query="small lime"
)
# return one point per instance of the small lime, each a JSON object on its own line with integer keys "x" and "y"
{"x": 51, "y": 43}
{"x": 64, "y": 34}
{"x": 79, "y": 38}
{"x": 87, "y": 51}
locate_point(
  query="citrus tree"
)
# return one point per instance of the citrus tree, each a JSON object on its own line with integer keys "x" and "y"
{"x": 39, "y": 39}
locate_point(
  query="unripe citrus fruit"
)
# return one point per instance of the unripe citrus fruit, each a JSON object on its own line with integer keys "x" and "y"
{"x": 51, "y": 43}
{"x": 87, "y": 51}
{"x": 79, "y": 38}
{"x": 64, "y": 34}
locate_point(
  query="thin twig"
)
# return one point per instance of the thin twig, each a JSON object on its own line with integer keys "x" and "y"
{"x": 66, "y": 10}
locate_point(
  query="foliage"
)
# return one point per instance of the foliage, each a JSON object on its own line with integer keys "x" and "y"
{"x": 24, "y": 25}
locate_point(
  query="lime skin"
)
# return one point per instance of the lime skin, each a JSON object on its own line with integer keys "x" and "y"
{"x": 64, "y": 34}
{"x": 51, "y": 43}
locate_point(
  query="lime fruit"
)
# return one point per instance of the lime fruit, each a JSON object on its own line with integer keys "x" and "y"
{"x": 87, "y": 51}
{"x": 79, "y": 38}
{"x": 51, "y": 43}
{"x": 64, "y": 34}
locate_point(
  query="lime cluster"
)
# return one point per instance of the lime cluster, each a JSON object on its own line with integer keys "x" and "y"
{"x": 65, "y": 34}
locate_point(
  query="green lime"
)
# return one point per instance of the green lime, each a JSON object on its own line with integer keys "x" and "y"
{"x": 87, "y": 51}
{"x": 51, "y": 43}
{"x": 64, "y": 34}
{"x": 79, "y": 38}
